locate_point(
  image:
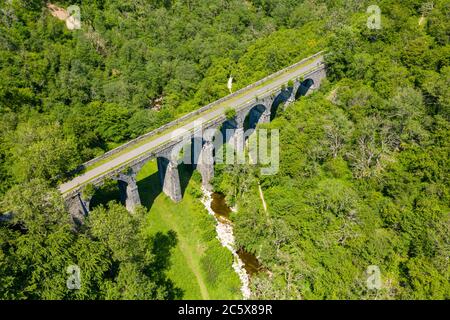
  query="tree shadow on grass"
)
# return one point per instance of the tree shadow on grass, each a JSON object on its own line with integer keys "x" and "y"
{"x": 162, "y": 246}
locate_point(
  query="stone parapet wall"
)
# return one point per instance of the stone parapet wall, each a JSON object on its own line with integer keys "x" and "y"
{"x": 193, "y": 114}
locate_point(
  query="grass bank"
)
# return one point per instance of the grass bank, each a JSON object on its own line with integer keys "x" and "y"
{"x": 200, "y": 266}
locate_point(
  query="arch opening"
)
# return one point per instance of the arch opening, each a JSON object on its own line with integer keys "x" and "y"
{"x": 304, "y": 88}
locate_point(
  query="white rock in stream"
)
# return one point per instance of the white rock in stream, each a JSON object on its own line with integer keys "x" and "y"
{"x": 226, "y": 238}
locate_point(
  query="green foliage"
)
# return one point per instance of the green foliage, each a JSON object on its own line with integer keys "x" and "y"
{"x": 364, "y": 164}
{"x": 230, "y": 113}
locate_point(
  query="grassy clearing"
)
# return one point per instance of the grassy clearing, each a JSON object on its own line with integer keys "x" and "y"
{"x": 201, "y": 267}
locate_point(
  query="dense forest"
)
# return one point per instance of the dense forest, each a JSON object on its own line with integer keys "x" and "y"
{"x": 364, "y": 170}
{"x": 364, "y": 161}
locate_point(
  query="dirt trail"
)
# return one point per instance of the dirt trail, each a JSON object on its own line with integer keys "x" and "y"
{"x": 190, "y": 261}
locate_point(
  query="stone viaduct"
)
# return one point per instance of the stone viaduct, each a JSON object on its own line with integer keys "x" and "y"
{"x": 267, "y": 95}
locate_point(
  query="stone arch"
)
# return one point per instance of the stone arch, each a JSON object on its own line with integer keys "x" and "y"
{"x": 169, "y": 177}
{"x": 191, "y": 151}
{"x": 304, "y": 88}
{"x": 255, "y": 116}
{"x": 121, "y": 187}
{"x": 149, "y": 186}
{"x": 77, "y": 206}
{"x": 230, "y": 124}
{"x": 281, "y": 98}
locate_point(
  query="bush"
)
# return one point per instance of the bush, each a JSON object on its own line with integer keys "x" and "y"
{"x": 230, "y": 113}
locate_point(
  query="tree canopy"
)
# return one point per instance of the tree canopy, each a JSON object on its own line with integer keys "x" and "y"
{"x": 364, "y": 161}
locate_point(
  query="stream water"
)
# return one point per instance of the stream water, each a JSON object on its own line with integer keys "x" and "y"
{"x": 245, "y": 264}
